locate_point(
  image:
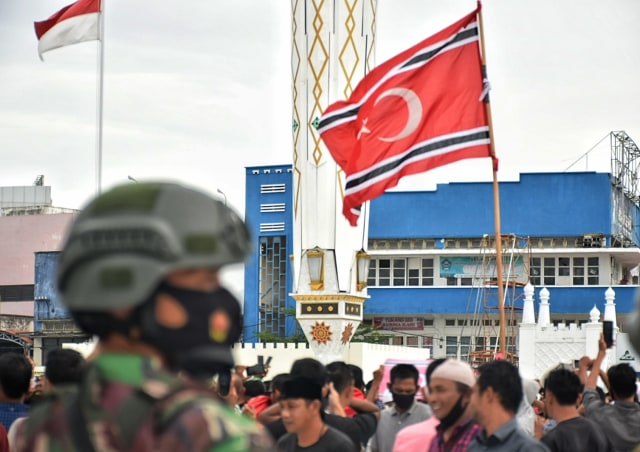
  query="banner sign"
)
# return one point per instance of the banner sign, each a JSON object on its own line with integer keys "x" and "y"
{"x": 399, "y": 323}
{"x": 471, "y": 266}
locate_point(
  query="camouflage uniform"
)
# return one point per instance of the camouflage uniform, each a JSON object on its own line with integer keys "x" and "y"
{"x": 129, "y": 404}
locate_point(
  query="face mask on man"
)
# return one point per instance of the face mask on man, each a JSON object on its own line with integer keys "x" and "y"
{"x": 201, "y": 344}
{"x": 403, "y": 401}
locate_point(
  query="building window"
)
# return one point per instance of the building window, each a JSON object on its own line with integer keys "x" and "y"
{"x": 452, "y": 281}
{"x": 427, "y": 272}
{"x": 371, "y": 278}
{"x": 397, "y": 340}
{"x": 427, "y": 322}
{"x": 273, "y": 285}
{"x": 535, "y": 271}
{"x": 593, "y": 270}
{"x": 549, "y": 271}
{"x": 413, "y": 341}
{"x": 384, "y": 272}
{"x": 564, "y": 266}
{"x": 398, "y": 272}
{"x": 452, "y": 347}
{"x": 465, "y": 347}
{"x": 450, "y": 322}
{"x": 17, "y": 293}
{"x": 578, "y": 271}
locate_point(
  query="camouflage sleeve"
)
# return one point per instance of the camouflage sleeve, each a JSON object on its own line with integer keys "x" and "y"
{"x": 207, "y": 426}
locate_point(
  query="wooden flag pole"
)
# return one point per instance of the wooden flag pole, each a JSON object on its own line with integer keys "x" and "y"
{"x": 496, "y": 196}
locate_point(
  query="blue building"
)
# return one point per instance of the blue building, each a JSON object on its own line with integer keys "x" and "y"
{"x": 433, "y": 264}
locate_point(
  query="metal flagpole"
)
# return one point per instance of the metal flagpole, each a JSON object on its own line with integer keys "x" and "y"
{"x": 99, "y": 100}
{"x": 496, "y": 193}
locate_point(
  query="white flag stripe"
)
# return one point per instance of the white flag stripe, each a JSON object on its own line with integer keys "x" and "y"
{"x": 85, "y": 27}
{"x": 454, "y": 147}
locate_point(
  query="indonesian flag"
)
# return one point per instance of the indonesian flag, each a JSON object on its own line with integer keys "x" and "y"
{"x": 74, "y": 23}
{"x": 421, "y": 109}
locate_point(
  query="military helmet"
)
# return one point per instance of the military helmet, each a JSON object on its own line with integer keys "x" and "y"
{"x": 126, "y": 240}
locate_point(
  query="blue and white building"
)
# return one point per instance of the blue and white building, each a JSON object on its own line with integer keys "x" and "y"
{"x": 433, "y": 262}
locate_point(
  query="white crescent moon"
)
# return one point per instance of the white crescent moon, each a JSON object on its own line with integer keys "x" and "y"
{"x": 415, "y": 111}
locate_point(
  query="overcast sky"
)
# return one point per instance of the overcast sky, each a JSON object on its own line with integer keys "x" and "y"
{"x": 197, "y": 90}
{"x": 198, "y": 93}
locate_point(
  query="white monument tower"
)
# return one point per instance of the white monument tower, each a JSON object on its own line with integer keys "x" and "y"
{"x": 332, "y": 50}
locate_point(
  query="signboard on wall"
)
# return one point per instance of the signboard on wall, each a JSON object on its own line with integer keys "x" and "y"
{"x": 399, "y": 323}
{"x": 472, "y": 267}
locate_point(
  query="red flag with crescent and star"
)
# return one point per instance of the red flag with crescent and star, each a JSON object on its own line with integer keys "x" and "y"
{"x": 421, "y": 109}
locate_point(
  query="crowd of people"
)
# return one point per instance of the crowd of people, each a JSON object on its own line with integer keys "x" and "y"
{"x": 140, "y": 271}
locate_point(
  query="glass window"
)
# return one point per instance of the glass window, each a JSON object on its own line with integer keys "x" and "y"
{"x": 427, "y": 322}
{"x": 452, "y": 281}
{"x": 412, "y": 341}
{"x": 397, "y": 340}
{"x": 384, "y": 272}
{"x": 564, "y": 266}
{"x": 427, "y": 272}
{"x": 413, "y": 273}
{"x": 578, "y": 271}
{"x": 479, "y": 343}
{"x": 535, "y": 271}
{"x": 450, "y": 322}
{"x": 452, "y": 347}
{"x": 465, "y": 347}
{"x": 593, "y": 270}
{"x": 371, "y": 278}
{"x": 549, "y": 271}
{"x": 399, "y": 272}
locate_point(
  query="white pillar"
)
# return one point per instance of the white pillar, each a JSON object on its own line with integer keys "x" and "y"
{"x": 333, "y": 48}
{"x": 610, "y": 306}
{"x": 592, "y": 333}
{"x": 527, "y": 336}
{"x": 528, "y": 315}
{"x": 610, "y": 314}
{"x": 544, "y": 317}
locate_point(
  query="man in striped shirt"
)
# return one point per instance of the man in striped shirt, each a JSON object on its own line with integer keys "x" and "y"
{"x": 449, "y": 396}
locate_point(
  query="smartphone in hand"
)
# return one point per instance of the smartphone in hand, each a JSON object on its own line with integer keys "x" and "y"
{"x": 607, "y": 331}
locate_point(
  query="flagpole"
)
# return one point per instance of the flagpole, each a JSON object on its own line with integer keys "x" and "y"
{"x": 100, "y": 99}
{"x": 496, "y": 196}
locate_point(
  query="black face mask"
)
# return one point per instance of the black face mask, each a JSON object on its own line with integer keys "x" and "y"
{"x": 202, "y": 345}
{"x": 403, "y": 401}
{"x": 455, "y": 414}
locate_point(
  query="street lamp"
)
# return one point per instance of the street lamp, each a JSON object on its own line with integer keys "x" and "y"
{"x": 315, "y": 262}
{"x": 362, "y": 268}
{"x": 132, "y": 179}
{"x": 223, "y": 195}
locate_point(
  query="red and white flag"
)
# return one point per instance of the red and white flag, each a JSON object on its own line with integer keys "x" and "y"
{"x": 78, "y": 22}
{"x": 421, "y": 109}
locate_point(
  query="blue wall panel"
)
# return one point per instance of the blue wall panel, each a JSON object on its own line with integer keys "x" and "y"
{"x": 540, "y": 204}
{"x": 48, "y": 305}
{"x": 446, "y": 300}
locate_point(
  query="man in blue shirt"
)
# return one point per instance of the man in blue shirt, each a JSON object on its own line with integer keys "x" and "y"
{"x": 15, "y": 377}
{"x": 495, "y": 399}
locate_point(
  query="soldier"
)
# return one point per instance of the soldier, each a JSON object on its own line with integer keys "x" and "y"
{"x": 139, "y": 269}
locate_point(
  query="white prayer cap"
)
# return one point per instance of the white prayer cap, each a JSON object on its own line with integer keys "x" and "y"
{"x": 455, "y": 370}
{"x": 530, "y": 389}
